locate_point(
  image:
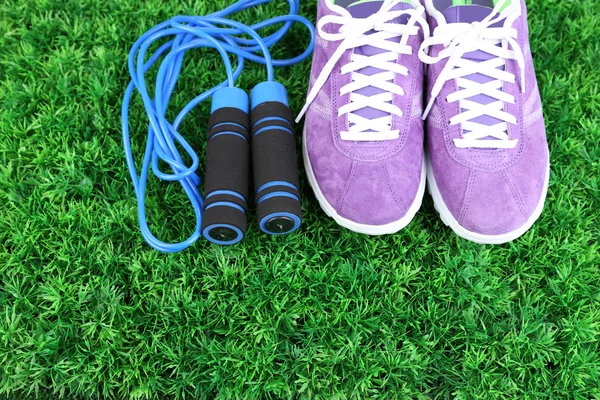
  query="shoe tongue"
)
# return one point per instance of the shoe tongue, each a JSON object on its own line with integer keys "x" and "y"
{"x": 360, "y": 8}
{"x": 469, "y": 14}
{"x": 364, "y": 9}
{"x": 476, "y": 12}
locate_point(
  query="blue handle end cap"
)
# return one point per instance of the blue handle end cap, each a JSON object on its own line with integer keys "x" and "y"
{"x": 280, "y": 223}
{"x": 269, "y": 91}
{"x": 230, "y": 97}
{"x": 223, "y": 234}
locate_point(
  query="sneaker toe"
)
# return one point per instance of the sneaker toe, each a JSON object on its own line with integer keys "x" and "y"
{"x": 492, "y": 205}
{"x": 375, "y": 197}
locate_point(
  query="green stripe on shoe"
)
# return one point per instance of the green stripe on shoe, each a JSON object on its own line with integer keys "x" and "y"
{"x": 360, "y": 2}
{"x": 470, "y": 2}
{"x": 363, "y": 1}
{"x": 504, "y": 6}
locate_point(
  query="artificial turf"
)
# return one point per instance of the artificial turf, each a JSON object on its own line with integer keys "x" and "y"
{"x": 88, "y": 310}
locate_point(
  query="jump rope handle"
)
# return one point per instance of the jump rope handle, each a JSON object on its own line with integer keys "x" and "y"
{"x": 224, "y": 220}
{"x": 278, "y": 209}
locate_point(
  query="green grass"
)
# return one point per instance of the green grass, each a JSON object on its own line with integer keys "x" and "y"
{"x": 88, "y": 310}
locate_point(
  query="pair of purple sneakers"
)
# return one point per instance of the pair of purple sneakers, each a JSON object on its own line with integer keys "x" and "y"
{"x": 486, "y": 160}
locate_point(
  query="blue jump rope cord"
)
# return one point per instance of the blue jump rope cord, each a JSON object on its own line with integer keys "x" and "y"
{"x": 212, "y": 31}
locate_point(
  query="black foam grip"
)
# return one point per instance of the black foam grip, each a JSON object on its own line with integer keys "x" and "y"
{"x": 274, "y": 161}
{"x": 226, "y": 115}
{"x": 227, "y": 170}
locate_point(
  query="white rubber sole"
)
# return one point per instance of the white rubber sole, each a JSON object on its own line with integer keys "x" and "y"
{"x": 373, "y": 230}
{"x": 449, "y": 220}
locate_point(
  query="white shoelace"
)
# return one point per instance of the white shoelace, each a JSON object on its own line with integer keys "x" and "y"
{"x": 353, "y": 32}
{"x": 462, "y": 38}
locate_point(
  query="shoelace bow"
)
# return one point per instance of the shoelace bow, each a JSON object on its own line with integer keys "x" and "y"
{"x": 354, "y": 33}
{"x": 462, "y": 38}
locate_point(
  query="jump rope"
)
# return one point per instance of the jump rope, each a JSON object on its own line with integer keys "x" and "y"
{"x": 237, "y": 126}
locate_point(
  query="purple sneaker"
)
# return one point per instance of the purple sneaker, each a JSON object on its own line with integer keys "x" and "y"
{"x": 363, "y": 137}
{"x": 488, "y": 161}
